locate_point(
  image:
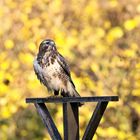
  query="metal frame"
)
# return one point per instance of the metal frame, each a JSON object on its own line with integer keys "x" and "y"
{"x": 71, "y": 115}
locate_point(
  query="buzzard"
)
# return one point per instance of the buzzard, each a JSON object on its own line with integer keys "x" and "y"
{"x": 53, "y": 71}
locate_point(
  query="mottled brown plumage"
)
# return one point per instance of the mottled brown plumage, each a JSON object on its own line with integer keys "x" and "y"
{"x": 53, "y": 71}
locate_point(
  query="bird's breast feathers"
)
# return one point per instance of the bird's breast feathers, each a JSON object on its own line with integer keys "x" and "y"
{"x": 52, "y": 72}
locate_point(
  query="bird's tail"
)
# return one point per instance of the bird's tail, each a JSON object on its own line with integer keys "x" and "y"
{"x": 72, "y": 92}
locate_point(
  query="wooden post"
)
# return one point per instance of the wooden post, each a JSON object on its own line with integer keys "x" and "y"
{"x": 71, "y": 121}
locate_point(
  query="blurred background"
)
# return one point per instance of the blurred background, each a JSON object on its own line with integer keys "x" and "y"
{"x": 100, "y": 40}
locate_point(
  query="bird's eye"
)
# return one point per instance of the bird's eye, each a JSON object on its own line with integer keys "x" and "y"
{"x": 47, "y": 42}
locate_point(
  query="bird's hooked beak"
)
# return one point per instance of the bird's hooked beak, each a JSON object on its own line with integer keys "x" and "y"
{"x": 46, "y": 47}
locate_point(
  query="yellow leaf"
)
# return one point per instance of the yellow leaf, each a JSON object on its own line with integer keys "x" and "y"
{"x": 130, "y": 24}
{"x": 138, "y": 65}
{"x": 1, "y": 11}
{"x": 113, "y": 3}
{"x": 94, "y": 67}
{"x": 114, "y": 34}
{"x": 107, "y": 24}
{"x": 32, "y": 46}
{"x": 136, "y": 105}
{"x": 134, "y": 46}
{"x": 110, "y": 132}
{"x": 4, "y": 65}
{"x": 129, "y": 53}
{"x": 15, "y": 64}
{"x": 136, "y": 92}
{"x": 11, "y": 4}
{"x": 100, "y": 32}
{"x": 26, "y": 58}
{"x": 9, "y": 44}
{"x": 5, "y": 112}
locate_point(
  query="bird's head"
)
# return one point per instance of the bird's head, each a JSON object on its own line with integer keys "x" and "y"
{"x": 47, "y": 45}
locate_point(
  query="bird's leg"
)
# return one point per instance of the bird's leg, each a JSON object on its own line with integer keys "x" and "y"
{"x": 63, "y": 93}
{"x": 56, "y": 92}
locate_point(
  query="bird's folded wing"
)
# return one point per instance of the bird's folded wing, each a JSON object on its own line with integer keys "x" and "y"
{"x": 65, "y": 66}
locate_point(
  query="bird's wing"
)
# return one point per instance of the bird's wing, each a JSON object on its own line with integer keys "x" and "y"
{"x": 39, "y": 72}
{"x": 65, "y": 66}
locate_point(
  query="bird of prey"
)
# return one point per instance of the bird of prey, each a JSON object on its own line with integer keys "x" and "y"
{"x": 53, "y": 71}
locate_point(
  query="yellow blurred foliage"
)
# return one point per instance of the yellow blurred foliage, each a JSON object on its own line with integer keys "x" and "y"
{"x": 32, "y": 47}
{"x": 114, "y": 34}
{"x": 130, "y": 24}
{"x": 99, "y": 39}
{"x": 26, "y": 58}
{"x": 9, "y": 44}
